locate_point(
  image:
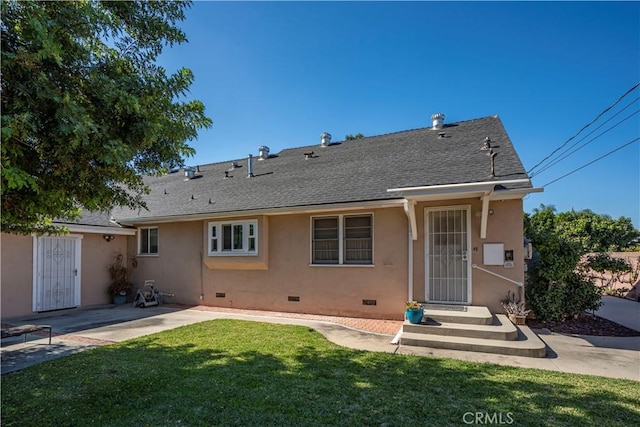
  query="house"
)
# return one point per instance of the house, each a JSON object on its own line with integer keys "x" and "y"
{"x": 352, "y": 228}
{"x": 42, "y": 273}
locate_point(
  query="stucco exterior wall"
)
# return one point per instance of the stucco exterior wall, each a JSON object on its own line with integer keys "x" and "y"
{"x": 97, "y": 256}
{"x": 283, "y": 269}
{"x": 505, "y": 226}
{"x": 17, "y": 271}
{"x": 16, "y": 288}
{"x": 284, "y": 242}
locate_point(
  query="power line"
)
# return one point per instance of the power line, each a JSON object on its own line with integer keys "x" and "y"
{"x": 584, "y": 127}
{"x": 593, "y": 161}
{"x": 586, "y": 136}
{"x": 567, "y": 154}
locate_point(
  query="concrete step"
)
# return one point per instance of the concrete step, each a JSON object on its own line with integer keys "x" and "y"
{"x": 527, "y": 344}
{"x": 469, "y": 314}
{"x": 501, "y": 329}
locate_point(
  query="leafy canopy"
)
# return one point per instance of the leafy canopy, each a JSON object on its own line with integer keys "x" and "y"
{"x": 558, "y": 282}
{"x": 350, "y": 137}
{"x": 86, "y": 112}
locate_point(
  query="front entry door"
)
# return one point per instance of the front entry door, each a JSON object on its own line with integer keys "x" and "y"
{"x": 447, "y": 264}
{"x": 56, "y": 273}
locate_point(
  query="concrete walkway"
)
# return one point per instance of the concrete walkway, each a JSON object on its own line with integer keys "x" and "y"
{"x": 621, "y": 311}
{"x": 81, "y": 329}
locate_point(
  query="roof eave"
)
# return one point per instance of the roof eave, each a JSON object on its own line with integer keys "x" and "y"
{"x": 385, "y": 203}
{"x": 466, "y": 190}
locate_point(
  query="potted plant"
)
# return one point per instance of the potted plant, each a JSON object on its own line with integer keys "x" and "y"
{"x": 120, "y": 285}
{"x": 516, "y": 310}
{"x": 414, "y": 312}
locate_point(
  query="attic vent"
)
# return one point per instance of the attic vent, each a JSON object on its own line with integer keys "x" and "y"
{"x": 234, "y": 165}
{"x": 189, "y": 172}
{"x": 308, "y": 155}
{"x": 438, "y": 121}
{"x": 325, "y": 139}
{"x": 263, "y": 152}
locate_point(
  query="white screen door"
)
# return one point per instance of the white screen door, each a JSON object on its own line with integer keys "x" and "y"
{"x": 447, "y": 266}
{"x": 57, "y": 268}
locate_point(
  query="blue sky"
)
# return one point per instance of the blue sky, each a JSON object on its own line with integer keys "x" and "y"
{"x": 281, "y": 73}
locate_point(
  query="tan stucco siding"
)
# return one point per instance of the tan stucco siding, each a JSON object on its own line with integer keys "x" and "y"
{"x": 283, "y": 268}
{"x": 504, "y": 226}
{"x": 17, "y": 274}
{"x": 178, "y": 265}
{"x": 97, "y": 256}
{"x": 284, "y": 251}
{"x": 17, "y": 271}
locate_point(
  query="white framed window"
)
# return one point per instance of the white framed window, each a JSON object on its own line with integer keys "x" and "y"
{"x": 342, "y": 240}
{"x": 233, "y": 238}
{"x": 148, "y": 241}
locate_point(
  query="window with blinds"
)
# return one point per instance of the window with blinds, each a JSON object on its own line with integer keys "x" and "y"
{"x": 358, "y": 240}
{"x": 342, "y": 239}
{"x": 325, "y": 241}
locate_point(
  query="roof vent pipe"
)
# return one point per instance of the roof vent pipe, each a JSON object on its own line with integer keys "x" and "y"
{"x": 250, "y": 166}
{"x": 438, "y": 121}
{"x": 263, "y": 152}
{"x": 325, "y": 139}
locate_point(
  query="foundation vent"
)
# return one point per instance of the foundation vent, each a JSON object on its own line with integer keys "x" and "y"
{"x": 369, "y": 302}
{"x": 293, "y": 299}
{"x": 220, "y": 295}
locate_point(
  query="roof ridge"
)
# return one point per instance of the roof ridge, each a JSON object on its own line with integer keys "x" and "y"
{"x": 342, "y": 141}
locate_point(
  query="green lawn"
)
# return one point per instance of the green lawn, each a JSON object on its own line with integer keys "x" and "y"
{"x": 230, "y": 372}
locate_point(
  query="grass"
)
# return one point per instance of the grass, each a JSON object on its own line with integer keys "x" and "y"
{"x": 230, "y": 372}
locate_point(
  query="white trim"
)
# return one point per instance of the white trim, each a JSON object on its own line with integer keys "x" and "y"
{"x": 91, "y": 229}
{"x": 518, "y": 193}
{"x": 466, "y": 185}
{"x": 35, "y": 275}
{"x": 314, "y": 209}
{"x": 342, "y": 265}
{"x": 139, "y": 239}
{"x": 485, "y": 216}
{"x": 426, "y": 251}
{"x": 245, "y": 238}
{"x": 410, "y": 211}
{"x": 410, "y": 268}
{"x": 36, "y": 270}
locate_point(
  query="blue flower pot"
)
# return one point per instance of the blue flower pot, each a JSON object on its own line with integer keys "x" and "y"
{"x": 415, "y": 316}
{"x": 119, "y": 299}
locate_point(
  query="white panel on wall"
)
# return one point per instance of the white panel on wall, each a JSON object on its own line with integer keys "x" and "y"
{"x": 493, "y": 254}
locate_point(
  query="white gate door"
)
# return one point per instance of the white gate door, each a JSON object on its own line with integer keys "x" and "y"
{"x": 447, "y": 264}
{"x": 57, "y": 273}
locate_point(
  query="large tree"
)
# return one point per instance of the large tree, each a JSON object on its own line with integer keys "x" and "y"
{"x": 86, "y": 111}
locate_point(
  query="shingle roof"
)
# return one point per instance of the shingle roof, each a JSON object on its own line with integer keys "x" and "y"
{"x": 96, "y": 219}
{"x": 356, "y": 170}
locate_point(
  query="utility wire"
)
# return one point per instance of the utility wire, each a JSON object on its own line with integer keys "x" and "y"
{"x": 593, "y": 161}
{"x": 584, "y": 127}
{"x": 585, "y": 137}
{"x": 565, "y": 155}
